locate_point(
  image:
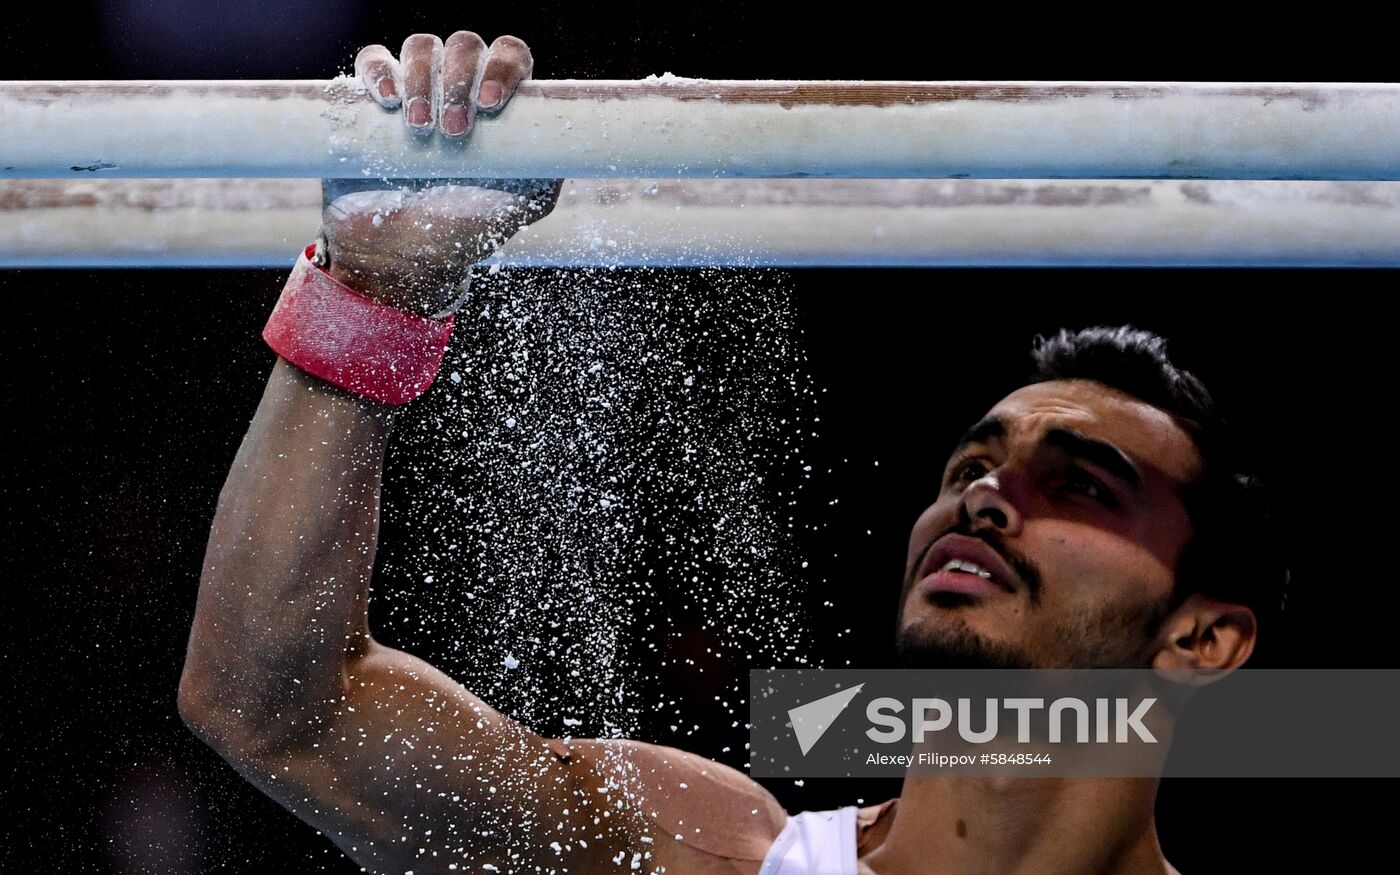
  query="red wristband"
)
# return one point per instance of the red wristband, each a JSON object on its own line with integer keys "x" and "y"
{"x": 333, "y": 332}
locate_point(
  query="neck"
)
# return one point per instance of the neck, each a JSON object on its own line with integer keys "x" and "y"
{"x": 1021, "y": 825}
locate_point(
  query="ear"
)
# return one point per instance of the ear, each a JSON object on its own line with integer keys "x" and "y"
{"x": 1206, "y": 636}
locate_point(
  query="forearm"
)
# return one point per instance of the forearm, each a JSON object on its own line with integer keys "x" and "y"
{"x": 285, "y": 583}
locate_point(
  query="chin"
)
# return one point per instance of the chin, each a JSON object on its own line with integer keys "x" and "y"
{"x": 956, "y": 645}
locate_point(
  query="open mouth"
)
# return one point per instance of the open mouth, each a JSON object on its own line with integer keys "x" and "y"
{"x": 960, "y": 564}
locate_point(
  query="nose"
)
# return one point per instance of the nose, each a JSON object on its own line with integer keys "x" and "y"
{"x": 990, "y": 502}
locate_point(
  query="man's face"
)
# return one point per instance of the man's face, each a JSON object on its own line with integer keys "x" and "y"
{"x": 1068, "y": 495}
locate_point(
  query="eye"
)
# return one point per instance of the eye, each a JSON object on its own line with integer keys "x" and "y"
{"x": 1080, "y": 481}
{"x": 967, "y": 471}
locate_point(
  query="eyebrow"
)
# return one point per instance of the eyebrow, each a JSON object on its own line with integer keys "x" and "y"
{"x": 1068, "y": 440}
{"x": 984, "y": 430}
{"x": 1100, "y": 453}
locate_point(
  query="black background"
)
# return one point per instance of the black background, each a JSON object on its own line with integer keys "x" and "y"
{"x": 126, "y": 394}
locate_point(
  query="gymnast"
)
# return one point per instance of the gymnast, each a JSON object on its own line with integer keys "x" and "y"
{"x": 1097, "y": 516}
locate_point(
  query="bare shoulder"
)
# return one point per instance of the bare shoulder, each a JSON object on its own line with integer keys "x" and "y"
{"x": 701, "y": 816}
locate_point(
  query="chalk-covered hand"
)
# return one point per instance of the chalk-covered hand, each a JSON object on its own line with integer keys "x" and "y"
{"x": 409, "y": 243}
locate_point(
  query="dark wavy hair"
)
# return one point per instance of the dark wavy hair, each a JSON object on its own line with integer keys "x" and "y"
{"x": 1235, "y": 553}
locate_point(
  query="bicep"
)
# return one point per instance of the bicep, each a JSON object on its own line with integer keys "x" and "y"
{"x": 412, "y": 772}
{"x": 408, "y": 770}
{"x": 689, "y": 814}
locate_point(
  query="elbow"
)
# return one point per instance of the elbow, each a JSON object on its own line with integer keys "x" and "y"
{"x": 240, "y": 734}
{"x": 193, "y": 704}
{"x": 189, "y": 701}
{"x": 197, "y": 691}
{"x": 221, "y": 729}
{"x": 201, "y": 696}
{"x": 218, "y": 726}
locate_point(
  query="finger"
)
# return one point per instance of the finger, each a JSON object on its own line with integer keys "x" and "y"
{"x": 376, "y": 68}
{"x": 508, "y": 64}
{"x": 417, "y": 59}
{"x": 461, "y": 58}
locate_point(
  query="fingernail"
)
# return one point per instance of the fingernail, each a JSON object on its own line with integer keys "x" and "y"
{"x": 454, "y": 120}
{"x": 420, "y": 114}
{"x": 489, "y": 95}
{"x": 386, "y": 88}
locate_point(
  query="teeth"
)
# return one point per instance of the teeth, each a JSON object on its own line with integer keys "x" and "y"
{"x": 967, "y": 567}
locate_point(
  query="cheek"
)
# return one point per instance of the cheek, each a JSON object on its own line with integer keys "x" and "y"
{"x": 935, "y": 519}
{"x": 1088, "y": 565}
{"x": 1167, "y": 538}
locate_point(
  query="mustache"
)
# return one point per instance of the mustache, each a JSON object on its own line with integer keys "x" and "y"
{"x": 1025, "y": 569}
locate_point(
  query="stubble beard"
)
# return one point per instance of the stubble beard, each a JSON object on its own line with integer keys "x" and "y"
{"x": 955, "y": 647}
{"x": 1110, "y": 637}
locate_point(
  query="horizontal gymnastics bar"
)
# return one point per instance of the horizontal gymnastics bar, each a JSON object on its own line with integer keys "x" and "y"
{"x": 671, "y": 127}
{"x": 265, "y": 222}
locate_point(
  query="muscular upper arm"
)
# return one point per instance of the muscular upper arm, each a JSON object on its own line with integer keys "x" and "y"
{"x": 412, "y": 772}
{"x": 696, "y": 815}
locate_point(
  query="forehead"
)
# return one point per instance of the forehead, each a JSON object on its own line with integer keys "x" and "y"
{"x": 1147, "y": 434}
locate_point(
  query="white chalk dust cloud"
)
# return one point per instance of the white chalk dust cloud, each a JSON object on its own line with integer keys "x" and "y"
{"x": 604, "y": 451}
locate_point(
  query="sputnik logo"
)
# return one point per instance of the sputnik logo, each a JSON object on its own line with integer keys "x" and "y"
{"x": 811, "y": 721}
